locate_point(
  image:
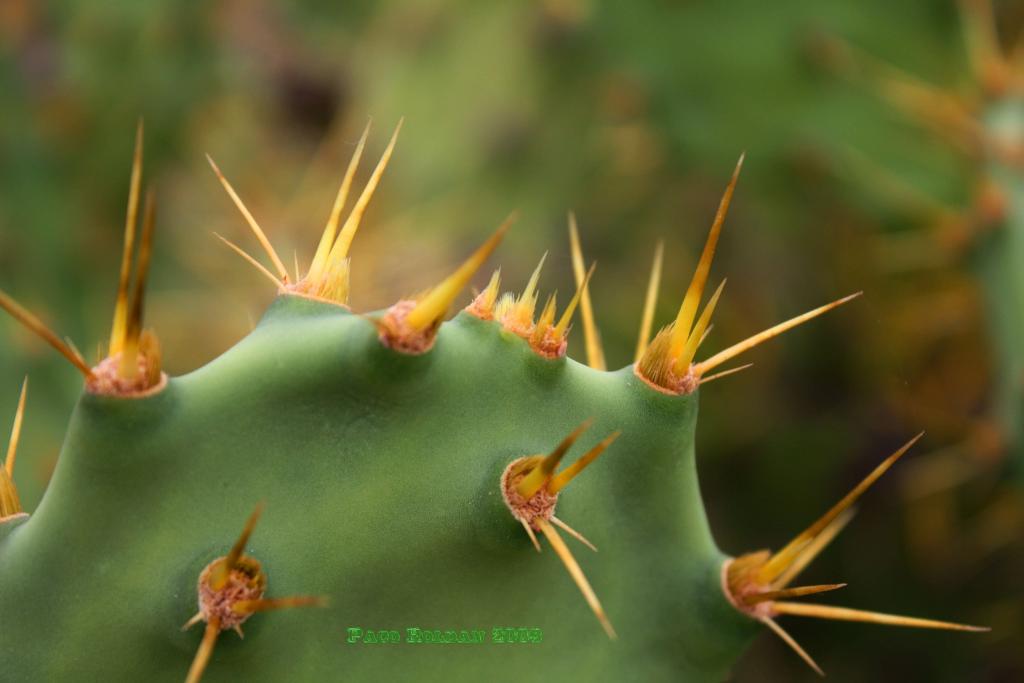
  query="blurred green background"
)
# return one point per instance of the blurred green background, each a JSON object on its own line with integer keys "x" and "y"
{"x": 631, "y": 114}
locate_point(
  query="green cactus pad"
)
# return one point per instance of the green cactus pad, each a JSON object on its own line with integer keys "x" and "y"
{"x": 380, "y": 474}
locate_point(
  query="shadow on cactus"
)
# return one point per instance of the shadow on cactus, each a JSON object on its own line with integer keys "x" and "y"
{"x": 407, "y": 466}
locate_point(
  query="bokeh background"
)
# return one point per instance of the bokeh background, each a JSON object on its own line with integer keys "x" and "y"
{"x": 631, "y": 114}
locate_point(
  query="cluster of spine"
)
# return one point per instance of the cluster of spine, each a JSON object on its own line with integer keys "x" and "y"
{"x": 667, "y": 362}
{"x": 328, "y": 276}
{"x": 759, "y": 583}
{"x": 530, "y": 488}
{"x": 133, "y": 364}
{"x": 516, "y": 313}
{"x": 232, "y": 588}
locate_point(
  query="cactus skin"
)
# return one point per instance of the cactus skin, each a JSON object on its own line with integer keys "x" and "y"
{"x": 366, "y": 459}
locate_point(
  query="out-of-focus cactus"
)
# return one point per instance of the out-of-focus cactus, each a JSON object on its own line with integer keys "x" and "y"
{"x": 986, "y": 125}
{"x": 409, "y": 469}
